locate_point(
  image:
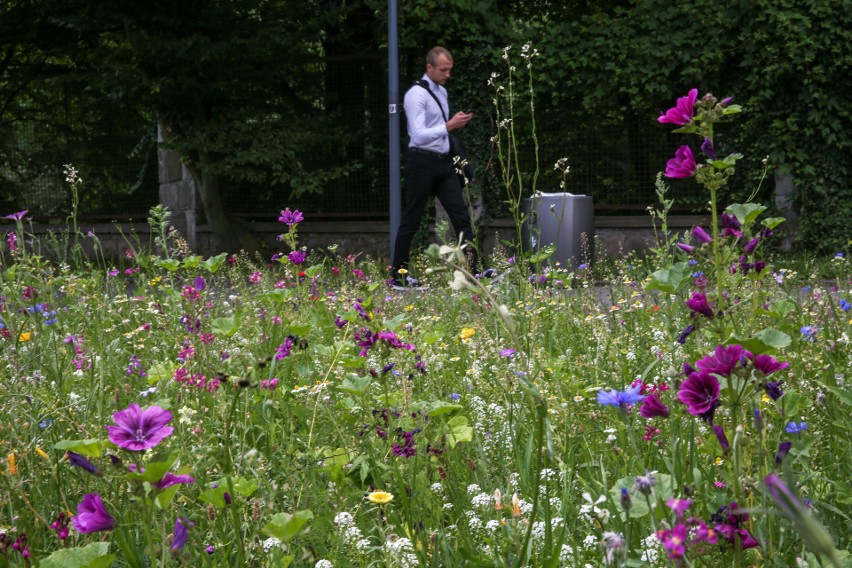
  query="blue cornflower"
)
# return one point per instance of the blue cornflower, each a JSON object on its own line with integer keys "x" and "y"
{"x": 620, "y": 398}
{"x": 809, "y": 332}
{"x": 845, "y": 305}
{"x": 698, "y": 274}
{"x": 838, "y": 255}
{"x": 794, "y": 428}
{"x": 692, "y": 262}
{"x": 455, "y": 397}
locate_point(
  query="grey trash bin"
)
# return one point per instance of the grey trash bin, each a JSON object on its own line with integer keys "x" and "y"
{"x": 562, "y": 219}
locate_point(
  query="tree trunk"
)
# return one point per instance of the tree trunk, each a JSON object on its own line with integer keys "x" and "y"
{"x": 229, "y": 236}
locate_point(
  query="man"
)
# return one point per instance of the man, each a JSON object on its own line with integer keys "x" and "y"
{"x": 429, "y": 168}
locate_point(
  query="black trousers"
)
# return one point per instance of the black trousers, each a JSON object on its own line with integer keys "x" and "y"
{"x": 426, "y": 175}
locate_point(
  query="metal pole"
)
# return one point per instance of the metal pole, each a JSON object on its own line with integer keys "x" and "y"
{"x": 393, "y": 126}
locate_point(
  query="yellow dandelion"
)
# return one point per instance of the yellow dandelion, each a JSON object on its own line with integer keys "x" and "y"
{"x": 467, "y": 332}
{"x": 24, "y": 337}
{"x": 409, "y": 307}
{"x": 41, "y": 453}
{"x": 380, "y": 497}
{"x": 10, "y": 463}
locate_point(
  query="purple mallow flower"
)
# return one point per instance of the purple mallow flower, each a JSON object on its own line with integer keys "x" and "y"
{"x": 92, "y": 515}
{"x": 767, "y": 364}
{"x": 773, "y": 390}
{"x": 181, "y": 533}
{"x": 297, "y": 257}
{"x": 77, "y": 460}
{"x": 17, "y": 216}
{"x": 171, "y": 479}
{"x": 137, "y": 430}
{"x": 730, "y": 226}
{"x": 707, "y": 148}
{"x": 723, "y": 439}
{"x": 699, "y": 304}
{"x": 723, "y": 361}
{"x": 682, "y": 165}
{"x": 783, "y": 449}
{"x": 701, "y": 235}
{"x": 682, "y": 112}
{"x": 291, "y": 218}
{"x": 507, "y": 353}
{"x": 621, "y": 399}
{"x": 700, "y": 393}
{"x": 653, "y": 408}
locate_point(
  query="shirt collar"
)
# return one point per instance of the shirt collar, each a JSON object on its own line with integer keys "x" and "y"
{"x": 433, "y": 86}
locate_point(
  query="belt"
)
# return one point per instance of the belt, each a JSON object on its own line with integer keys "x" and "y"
{"x": 427, "y": 152}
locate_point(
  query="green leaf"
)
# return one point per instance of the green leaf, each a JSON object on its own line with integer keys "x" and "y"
{"x": 394, "y": 323}
{"x": 765, "y": 341}
{"x": 353, "y": 384}
{"x": 782, "y": 308}
{"x": 313, "y": 270}
{"x": 746, "y": 213}
{"x": 154, "y": 471}
{"x": 158, "y": 372}
{"x": 284, "y": 526}
{"x": 244, "y": 487}
{"x": 191, "y": 261}
{"x": 169, "y": 264}
{"x": 436, "y": 408}
{"x": 87, "y": 448}
{"x": 299, "y": 330}
{"x": 459, "y": 431}
{"x": 279, "y": 295}
{"x": 772, "y": 222}
{"x": 844, "y": 396}
{"x": 226, "y": 327}
{"x": 667, "y": 279}
{"x": 215, "y": 263}
{"x": 94, "y": 555}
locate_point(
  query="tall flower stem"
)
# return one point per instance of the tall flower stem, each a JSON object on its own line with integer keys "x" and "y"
{"x": 229, "y": 480}
{"x": 717, "y": 255}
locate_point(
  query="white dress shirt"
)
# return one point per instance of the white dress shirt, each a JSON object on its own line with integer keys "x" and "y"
{"x": 427, "y": 128}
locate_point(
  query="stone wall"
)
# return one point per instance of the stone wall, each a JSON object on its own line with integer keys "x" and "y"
{"x": 615, "y": 236}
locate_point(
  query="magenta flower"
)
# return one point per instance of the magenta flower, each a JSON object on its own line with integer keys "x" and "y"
{"x": 682, "y": 165}
{"x": 723, "y": 439}
{"x": 76, "y": 459}
{"x": 682, "y": 112}
{"x": 700, "y": 393}
{"x": 689, "y": 249}
{"x": 724, "y": 360}
{"x": 17, "y": 216}
{"x": 699, "y": 305}
{"x": 674, "y": 541}
{"x": 730, "y": 226}
{"x": 171, "y": 479}
{"x": 291, "y": 218}
{"x": 137, "y": 430}
{"x": 297, "y": 257}
{"x": 767, "y": 364}
{"x": 678, "y": 506}
{"x": 508, "y": 353}
{"x": 653, "y": 408}
{"x": 92, "y": 515}
{"x": 701, "y": 235}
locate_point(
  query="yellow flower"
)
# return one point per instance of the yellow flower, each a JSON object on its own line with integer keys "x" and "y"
{"x": 765, "y": 398}
{"x": 10, "y": 462}
{"x": 380, "y": 497}
{"x": 467, "y": 332}
{"x": 409, "y": 307}
{"x": 41, "y": 453}
{"x": 24, "y": 337}
{"x": 402, "y": 271}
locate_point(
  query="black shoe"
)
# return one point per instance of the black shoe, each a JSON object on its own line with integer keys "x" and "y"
{"x": 408, "y": 283}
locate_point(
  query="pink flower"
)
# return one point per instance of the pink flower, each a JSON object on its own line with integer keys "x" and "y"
{"x": 682, "y": 112}
{"x": 700, "y": 393}
{"x": 682, "y": 165}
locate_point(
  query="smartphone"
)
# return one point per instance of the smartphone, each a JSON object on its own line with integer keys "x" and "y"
{"x": 468, "y": 111}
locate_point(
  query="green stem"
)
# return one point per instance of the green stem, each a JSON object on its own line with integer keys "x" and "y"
{"x": 229, "y": 467}
{"x": 717, "y": 255}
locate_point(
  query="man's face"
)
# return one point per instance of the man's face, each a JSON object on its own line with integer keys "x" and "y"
{"x": 440, "y": 72}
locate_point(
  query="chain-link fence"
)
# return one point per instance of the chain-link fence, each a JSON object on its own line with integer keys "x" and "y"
{"x": 615, "y": 160}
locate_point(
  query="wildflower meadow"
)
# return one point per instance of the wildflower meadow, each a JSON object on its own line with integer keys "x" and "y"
{"x": 688, "y": 408}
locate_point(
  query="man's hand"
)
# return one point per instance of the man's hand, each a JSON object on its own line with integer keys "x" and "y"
{"x": 459, "y": 120}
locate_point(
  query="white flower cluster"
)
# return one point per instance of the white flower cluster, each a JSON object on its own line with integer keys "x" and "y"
{"x": 270, "y": 543}
{"x": 401, "y": 552}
